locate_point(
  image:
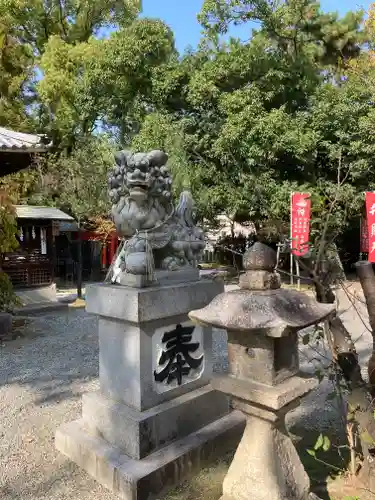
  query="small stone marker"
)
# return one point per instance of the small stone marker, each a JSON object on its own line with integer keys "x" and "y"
{"x": 264, "y": 381}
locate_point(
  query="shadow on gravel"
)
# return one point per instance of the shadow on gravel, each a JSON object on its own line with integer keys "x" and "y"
{"x": 18, "y": 490}
{"x": 327, "y": 466}
{"x": 57, "y": 350}
{"x": 56, "y": 397}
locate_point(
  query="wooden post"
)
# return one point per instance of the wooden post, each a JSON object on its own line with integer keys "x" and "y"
{"x": 52, "y": 241}
{"x": 104, "y": 255}
{"x": 79, "y": 262}
{"x": 113, "y": 248}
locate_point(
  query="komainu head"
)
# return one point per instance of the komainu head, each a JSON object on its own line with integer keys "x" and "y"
{"x": 139, "y": 190}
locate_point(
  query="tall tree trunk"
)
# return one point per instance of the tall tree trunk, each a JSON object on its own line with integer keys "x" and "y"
{"x": 360, "y": 407}
{"x": 367, "y": 279}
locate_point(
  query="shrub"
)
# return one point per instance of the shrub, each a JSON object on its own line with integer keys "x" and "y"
{"x": 8, "y": 299}
{"x": 8, "y": 242}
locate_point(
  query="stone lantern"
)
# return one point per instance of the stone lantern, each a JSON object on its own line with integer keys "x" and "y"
{"x": 264, "y": 381}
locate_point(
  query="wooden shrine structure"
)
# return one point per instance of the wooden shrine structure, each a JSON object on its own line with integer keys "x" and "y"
{"x": 98, "y": 252}
{"x": 18, "y": 150}
{"x": 33, "y": 263}
{"x": 48, "y": 238}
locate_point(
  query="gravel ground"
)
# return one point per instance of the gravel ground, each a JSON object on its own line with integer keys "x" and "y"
{"x": 41, "y": 383}
{"x": 42, "y": 379}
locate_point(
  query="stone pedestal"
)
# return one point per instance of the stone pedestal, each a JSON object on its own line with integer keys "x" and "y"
{"x": 156, "y": 418}
{"x": 264, "y": 379}
{"x": 274, "y": 466}
{"x": 266, "y": 455}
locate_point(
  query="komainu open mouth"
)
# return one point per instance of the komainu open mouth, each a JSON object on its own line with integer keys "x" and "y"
{"x": 138, "y": 189}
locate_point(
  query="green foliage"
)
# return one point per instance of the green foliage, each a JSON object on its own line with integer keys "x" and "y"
{"x": 87, "y": 83}
{"x": 259, "y": 119}
{"x": 297, "y": 26}
{"x": 245, "y": 123}
{"x": 8, "y": 299}
{"x": 8, "y": 242}
{"x": 81, "y": 179}
{"x": 8, "y": 226}
{"x": 160, "y": 131}
{"x": 27, "y": 27}
{"x": 75, "y": 182}
{"x": 15, "y": 70}
{"x": 75, "y": 21}
{"x": 323, "y": 443}
{"x": 100, "y": 80}
{"x": 87, "y": 79}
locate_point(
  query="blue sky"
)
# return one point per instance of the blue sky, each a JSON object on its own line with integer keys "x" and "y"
{"x": 181, "y": 16}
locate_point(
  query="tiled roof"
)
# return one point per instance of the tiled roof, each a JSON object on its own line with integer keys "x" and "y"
{"x": 30, "y": 212}
{"x": 17, "y": 141}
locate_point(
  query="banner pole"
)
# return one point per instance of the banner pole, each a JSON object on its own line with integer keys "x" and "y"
{"x": 298, "y": 275}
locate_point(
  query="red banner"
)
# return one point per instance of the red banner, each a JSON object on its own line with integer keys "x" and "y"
{"x": 300, "y": 223}
{"x": 370, "y": 219}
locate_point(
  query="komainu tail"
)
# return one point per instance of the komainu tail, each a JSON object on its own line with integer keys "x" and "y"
{"x": 185, "y": 209}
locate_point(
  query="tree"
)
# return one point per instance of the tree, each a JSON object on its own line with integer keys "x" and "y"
{"x": 76, "y": 182}
{"x": 100, "y": 83}
{"x": 80, "y": 179}
{"x": 81, "y": 82}
{"x": 90, "y": 62}
{"x": 252, "y": 116}
{"x": 295, "y": 27}
{"x": 15, "y": 70}
{"x": 34, "y": 22}
{"x": 26, "y": 28}
{"x": 8, "y": 243}
{"x": 8, "y": 226}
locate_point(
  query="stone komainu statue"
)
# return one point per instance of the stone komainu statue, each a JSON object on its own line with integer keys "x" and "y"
{"x": 158, "y": 234}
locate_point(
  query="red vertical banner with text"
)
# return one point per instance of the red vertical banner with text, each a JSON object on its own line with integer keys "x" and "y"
{"x": 300, "y": 223}
{"x": 370, "y": 219}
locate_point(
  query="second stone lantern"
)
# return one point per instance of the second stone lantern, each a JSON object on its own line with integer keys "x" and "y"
{"x": 264, "y": 381}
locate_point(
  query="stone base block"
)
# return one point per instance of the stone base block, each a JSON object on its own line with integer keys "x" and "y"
{"x": 272, "y": 397}
{"x": 151, "y": 477}
{"x": 149, "y": 304}
{"x": 140, "y": 433}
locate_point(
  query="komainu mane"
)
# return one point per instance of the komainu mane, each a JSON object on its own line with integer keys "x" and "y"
{"x": 158, "y": 235}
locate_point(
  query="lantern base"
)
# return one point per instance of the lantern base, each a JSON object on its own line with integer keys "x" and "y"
{"x": 266, "y": 465}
